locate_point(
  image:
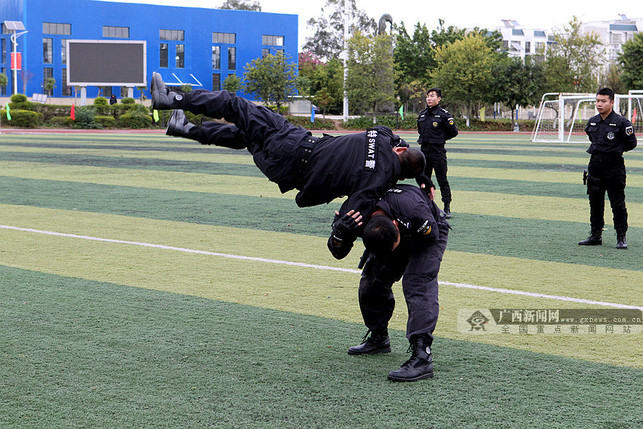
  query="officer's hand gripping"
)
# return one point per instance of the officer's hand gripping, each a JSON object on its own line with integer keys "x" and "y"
{"x": 345, "y": 228}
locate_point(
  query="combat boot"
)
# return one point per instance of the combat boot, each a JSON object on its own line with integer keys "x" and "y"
{"x": 179, "y": 126}
{"x": 594, "y": 239}
{"x": 447, "y": 209}
{"x": 162, "y": 97}
{"x": 620, "y": 240}
{"x": 419, "y": 366}
{"x": 378, "y": 342}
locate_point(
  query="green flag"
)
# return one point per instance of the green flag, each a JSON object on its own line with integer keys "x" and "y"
{"x": 155, "y": 115}
{"x": 401, "y": 111}
{"x": 8, "y": 112}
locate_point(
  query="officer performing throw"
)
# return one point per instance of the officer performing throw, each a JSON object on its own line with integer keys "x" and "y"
{"x": 405, "y": 238}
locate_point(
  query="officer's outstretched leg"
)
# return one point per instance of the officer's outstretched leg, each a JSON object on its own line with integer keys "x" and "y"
{"x": 260, "y": 125}
{"x": 209, "y": 132}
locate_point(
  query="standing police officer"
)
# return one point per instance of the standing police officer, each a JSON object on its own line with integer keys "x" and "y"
{"x": 361, "y": 166}
{"x": 436, "y": 126}
{"x": 405, "y": 237}
{"x": 610, "y": 135}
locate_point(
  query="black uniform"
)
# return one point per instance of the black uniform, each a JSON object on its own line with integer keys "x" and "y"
{"x": 609, "y": 138}
{"x": 436, "y": 126}
{"x": 361, "y": 166}
{"x": 424, "y": 232}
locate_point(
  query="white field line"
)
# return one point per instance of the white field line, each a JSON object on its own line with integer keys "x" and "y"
{"x": 318, "y": 267}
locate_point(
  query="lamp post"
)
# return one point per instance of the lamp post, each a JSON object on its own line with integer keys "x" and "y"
{"x": 15, "y": 26}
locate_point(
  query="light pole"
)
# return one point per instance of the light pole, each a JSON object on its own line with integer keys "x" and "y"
{"x": 346, "y": 21}
{"x": 15, "y": 26}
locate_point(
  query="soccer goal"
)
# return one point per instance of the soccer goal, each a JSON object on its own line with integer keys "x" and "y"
{"x": 562, "y": 117}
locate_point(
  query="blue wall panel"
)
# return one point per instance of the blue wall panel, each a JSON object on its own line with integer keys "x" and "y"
{"x": 87, "y": 18}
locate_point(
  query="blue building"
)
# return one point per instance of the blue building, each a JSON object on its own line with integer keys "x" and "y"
{"x": 195, "y": 46}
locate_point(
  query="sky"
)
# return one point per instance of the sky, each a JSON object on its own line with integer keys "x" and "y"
{"x": 534, "y": 14}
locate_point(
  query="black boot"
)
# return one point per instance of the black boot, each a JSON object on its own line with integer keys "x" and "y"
{"x": 593, "y": 240}
{"x": 378, "y": 342}
{"x": 447, "y": 209}
{"x": 162, "y": 98}
{"x": 620, "y": 240}
{"x": 179, "y": 126}
{"x": 419, "y": 366}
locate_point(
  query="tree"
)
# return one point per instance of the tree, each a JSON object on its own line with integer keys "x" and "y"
{"x": 321, "y": 82}
{"x": 232, "y": 83}
{"x": 573, "y": 60}
{"x": 4, "y": 80}
{"x": 49, "y": 85}
{"x": 272, "y": 78}
{"x": 371, "y": 76}
{"x": 517, "y": 82}
{"x": 328, "y": 39}
{"x": 464, "y": 71}
{"x": 415, "y": 55}
{"x": 631, "y": 61}
{"x": 241, "y": 5}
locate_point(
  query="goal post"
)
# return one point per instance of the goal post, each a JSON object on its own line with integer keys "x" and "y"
{"x": 562, "y": 117}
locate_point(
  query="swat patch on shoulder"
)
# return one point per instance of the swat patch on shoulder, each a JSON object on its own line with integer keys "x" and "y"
{"x": 425, "y": 229}
{"x": 451, "y": 121}
{"x": 370, "y": 159}
{"x": 629, "y": 130}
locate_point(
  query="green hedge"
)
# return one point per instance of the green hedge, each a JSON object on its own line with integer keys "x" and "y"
{"x": 61, "y": 122}
{"x": 319, "y": 124}
{"x": 22, "y": 118}
{"x": 134, "y": 120}
{"x": 105, "y": 121}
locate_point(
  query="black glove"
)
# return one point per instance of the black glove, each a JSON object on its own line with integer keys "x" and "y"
{"x": 345, "y": 229}
{"x": 425, "y": 180}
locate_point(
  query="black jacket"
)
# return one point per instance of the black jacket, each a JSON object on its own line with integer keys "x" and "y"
{"x": 435, "y": 126}
{"x": 361, "y": 166}
{"x": 614, "y": 134}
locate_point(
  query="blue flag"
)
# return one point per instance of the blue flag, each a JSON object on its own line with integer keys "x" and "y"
{"x": 312, "y": 113}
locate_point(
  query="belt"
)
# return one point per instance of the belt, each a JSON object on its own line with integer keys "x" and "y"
{"x": 303, "y": 155}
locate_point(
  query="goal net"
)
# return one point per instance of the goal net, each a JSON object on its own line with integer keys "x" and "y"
{"x": 562, "y": 118}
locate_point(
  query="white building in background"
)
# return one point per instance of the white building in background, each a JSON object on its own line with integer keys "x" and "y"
{"x": 522, "y": 42}
{"x": 614, "y": 33}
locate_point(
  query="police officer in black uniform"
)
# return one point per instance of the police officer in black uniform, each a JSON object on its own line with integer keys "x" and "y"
{"x": 405, "y": 237}
{"x": 361, "y": 166}
{"x": 436, "y": 126}
{"x": 610, "y": 135}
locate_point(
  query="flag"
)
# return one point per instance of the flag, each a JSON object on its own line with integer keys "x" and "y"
{"x": 155, "y": 115}
{"x": 72, "y": 114}
{"x": 483, "y": 112}
{"x": 633, "y": 115}
{"x": 312, "y": 113}
{"x": 8, "y": 113}
{"x": 401, "y": 111}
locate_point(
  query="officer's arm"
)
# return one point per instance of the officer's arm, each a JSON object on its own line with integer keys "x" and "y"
{"x": 424, "y": 226}
{"x": 345, "y": 230}
{"x": 629, "y": 138}
{"x": 450, "y": 130}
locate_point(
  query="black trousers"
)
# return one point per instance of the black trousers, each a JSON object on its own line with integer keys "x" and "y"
{"x": 607, "y": 174}
{"x": 436, "y": 160}
{"x": 274, "y": 143}
{"x": 418, "y": 268}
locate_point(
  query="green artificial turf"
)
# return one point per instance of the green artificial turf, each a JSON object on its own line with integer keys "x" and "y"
{"x": 76, "y": 353}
